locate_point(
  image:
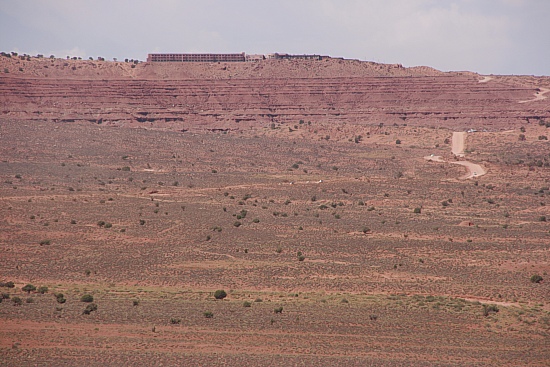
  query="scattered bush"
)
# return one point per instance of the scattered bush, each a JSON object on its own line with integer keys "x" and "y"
{"x": 89, "y": 309}
{"x": 208, "y": 314}
{"x": 9, "y": 284}
{"x": 220, "y": 294}
{"x": 536, "y": 279}
{"x": 17, "y": 301}
{"x": 28, "y": 288}
{"x": 278, "y": 309}
{"x": 135, "y": 302}
{"x": 237, "y": 224}
{"x": 87, "y": 298}
{"x": 488, "y": 309}
{"x": 247, "y": 304}
{"x": 542, "y": 218}
{"x": 175, "y": 321}
{"x": 29, "y": 300}
{"x": 45, "y": 242}
{"x": 60, "y": 298}
{"x": 417, "y": 210}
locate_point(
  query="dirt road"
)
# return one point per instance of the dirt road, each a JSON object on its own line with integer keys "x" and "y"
{"x": 457, "y": 148}
{"x": 458, "y": 143}
{"x": 539, "y": 96}
{"x": 474, "y": 170}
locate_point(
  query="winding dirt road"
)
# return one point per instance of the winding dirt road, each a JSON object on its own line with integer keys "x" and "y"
{"x": 457, "y": 148}
{"x": 539, "y": 96}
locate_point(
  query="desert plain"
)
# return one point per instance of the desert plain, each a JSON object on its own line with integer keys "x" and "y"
{"x": 354, "y": 214}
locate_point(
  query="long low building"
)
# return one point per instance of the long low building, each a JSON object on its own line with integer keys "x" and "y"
{"x": 196, "y": 57}
{"x": 241, "y": 57}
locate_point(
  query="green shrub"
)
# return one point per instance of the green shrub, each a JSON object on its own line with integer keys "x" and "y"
{"x": 29, "y": 300}
{"x": 9, "y": 284}
{"x": 488, "y": 309}
{"x": 247, "y": 304}
{"x": 417, "y": 210}
{"x": 237, "y": 224}
{"x": 87, "y": 298}
{"x": 220, "y": 294}
{"x": 175, "y": 321}
{"x": 28, "y": 288}
{"x": 278, "y": 309}
{"x": 89, "y": 309}
{"x": 17, "y": 301}
{"x": 208, "y": 314}
{"x": 536, "y": 279}
{"x": 135, "y": 302}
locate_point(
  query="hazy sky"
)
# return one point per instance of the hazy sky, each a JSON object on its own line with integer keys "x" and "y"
{"x": 486, "y": 36}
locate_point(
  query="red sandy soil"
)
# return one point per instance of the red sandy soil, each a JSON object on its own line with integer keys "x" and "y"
{"x": 151, "y": 187}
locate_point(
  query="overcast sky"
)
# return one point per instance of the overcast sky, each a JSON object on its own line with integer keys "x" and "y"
{"x": 485, "y": 36}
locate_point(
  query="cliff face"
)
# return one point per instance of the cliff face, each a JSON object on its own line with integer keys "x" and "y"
{"x": 232, "y": 95}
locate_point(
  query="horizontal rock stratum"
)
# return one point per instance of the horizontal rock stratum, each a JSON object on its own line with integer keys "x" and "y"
{"x": 229, "y": 95}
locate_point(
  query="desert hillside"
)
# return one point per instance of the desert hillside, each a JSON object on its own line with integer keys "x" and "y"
{"x": 233, "y": 95}
{"x": 353, "y": 214}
